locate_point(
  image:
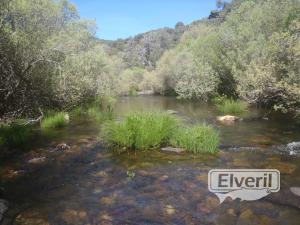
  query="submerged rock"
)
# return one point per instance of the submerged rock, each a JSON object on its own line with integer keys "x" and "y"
{"x": 227, "y": 119}
{"x": 293, "y": 148}
{"x": 170, "y": 210}
{"x": 3, "y": 208}
{"x": 37, "y": 160}
{"x": 171, "y": 149}
{"x": 14, "y": 173}
{"x": 171, "y": 112}
{"x": 248, "y": 217}
{"x": 295, "y": 190}
{"x": 60, "y": 147}
{"x": 283, "y": 167}
{"x": 285, "y": 197}
{"x": 67, "y": 117}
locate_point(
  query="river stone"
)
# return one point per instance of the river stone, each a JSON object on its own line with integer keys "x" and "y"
{"x": 295, "y": 190}
{"x": 248, "y": 217}
{"x": 14, "y": 173}
{"x": 37, "y": 160}
{"x": 172, "y": 112}
{"x": 293, "y": 148}
{"x": 67, "y": 117}
{"x": 227, "y": 118}
{"x": 3, "y": 208}
{"x": 30, "y": 219}
{"x": 72, "y": 216}
{"x": 171, "y": 149}
{"x": 170, "y": 210}
{"x": 285, "y": 197}
{"x": 60, "y": 147}
{"x": 203, "y": 178}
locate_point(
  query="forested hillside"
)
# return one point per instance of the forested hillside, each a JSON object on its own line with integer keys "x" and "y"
{"x": 144, "y": 50}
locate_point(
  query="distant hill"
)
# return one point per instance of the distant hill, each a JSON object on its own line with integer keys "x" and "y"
{"x": 143, "y": 50}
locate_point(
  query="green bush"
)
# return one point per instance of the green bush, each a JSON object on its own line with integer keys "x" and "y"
{"x": 141, "y": 130}
{"x": 196, "y": 139}
{"x": 14, "y": 135}
{"x": 234, "y": 107}
{"x": 55, "y": 120}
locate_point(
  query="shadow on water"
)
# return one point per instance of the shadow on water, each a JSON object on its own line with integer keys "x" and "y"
{"x": 88, "y": 184}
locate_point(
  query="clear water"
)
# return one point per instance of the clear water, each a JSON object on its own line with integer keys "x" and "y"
{"x": 88, "y": 184}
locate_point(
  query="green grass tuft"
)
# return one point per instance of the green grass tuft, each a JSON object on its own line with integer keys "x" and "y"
{"x": 196, "y": 139}
{"x": 77, "y": 112}
{"x": 141, "y": 131}
{"x": 54, "y": 120}
{"x": 14, "y": 135}
{"x": 229, "y": 106}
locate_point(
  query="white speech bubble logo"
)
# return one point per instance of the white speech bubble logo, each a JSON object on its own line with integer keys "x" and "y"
{"x": 245, "y": 184}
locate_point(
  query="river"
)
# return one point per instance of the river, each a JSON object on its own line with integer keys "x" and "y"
{"x": 88, "y": 184}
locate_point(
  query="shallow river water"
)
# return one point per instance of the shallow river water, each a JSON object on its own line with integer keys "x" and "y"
{"x": 88, "y": 184}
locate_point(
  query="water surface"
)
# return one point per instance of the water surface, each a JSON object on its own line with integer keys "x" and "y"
{"x": 88, "y": 184}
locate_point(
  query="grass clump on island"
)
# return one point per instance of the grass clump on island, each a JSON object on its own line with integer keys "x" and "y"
{"x": 196, "y": 139}
{"x": 141, "y": 130}
{"x": 148, "y": 130}
{"x": 231, "y": 106}
{"x": 55, "y": 120}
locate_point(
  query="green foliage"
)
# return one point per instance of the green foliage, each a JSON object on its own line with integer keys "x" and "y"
{"x": 260, "y": 49}
{"x": 232, "y": 107}
{"x": 50, "y": 58}
{"x": 141, "y": 131}
{"x": 186, "y": 71}
{"x": 196, "y": 139}
{"x": 55, "y": 120}
{"x": 132, "y": 80}
{"x": 251, "y": 51}
{"x": 15, "y": 135}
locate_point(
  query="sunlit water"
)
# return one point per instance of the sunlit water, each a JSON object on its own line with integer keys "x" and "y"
{"x": 88, "y": 184}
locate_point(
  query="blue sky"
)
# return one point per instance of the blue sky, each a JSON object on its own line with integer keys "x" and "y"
{"x": 123, "y": 18}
